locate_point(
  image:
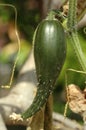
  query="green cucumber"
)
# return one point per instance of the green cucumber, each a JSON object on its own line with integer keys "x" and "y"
{"x": 49, "y": 54}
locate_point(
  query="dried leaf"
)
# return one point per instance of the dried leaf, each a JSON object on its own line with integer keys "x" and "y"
{"x": 77, "y": 99}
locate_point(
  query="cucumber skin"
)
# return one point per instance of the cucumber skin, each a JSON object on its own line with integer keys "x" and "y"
{"x": 49, "y": 54}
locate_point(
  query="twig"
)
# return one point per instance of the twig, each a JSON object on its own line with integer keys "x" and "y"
{"x": 48, "y": 123}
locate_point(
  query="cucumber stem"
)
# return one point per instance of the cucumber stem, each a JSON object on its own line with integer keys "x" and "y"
{"x": 51, "y": 15}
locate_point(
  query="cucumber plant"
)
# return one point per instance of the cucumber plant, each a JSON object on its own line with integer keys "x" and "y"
{"x": 72, "y": 27}
{"x": 49, "y": 54}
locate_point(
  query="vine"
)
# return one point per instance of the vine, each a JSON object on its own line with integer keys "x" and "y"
{"x": 72, "y": 27}
{"x": 71, "y": 24}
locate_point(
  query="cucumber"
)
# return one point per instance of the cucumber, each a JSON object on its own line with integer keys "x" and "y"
{"x": 49, "y": 54}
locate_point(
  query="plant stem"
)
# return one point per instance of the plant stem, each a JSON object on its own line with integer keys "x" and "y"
{"x": 73, "y": 33}
{"x": 51, "y": 15}
{"x": 72, "y": 14}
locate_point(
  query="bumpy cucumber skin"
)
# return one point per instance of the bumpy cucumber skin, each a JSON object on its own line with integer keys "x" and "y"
{"x": 49, "y": 54}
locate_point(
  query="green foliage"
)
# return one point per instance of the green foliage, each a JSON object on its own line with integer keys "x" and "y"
{"x": 8, "y": 56}
{"x": 72, "y": 62}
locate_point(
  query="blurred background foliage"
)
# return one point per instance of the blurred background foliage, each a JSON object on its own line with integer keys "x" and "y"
{"x": 30, "y": 13}
{"x": 28, "y": 17}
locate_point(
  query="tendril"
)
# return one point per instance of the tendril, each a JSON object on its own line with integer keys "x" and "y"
{"x": 18, "y": 41}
